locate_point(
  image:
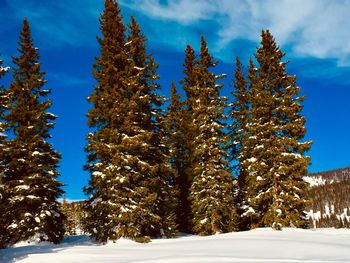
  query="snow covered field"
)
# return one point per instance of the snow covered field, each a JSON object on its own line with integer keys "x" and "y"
{"x": 259, "y": 245}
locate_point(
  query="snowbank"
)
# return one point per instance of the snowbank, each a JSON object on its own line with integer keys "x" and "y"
{"x": 259, "y": 245}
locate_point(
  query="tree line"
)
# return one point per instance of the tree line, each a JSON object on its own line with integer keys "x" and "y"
{"x": 330, "y": 203}
{"x": 204, "y": 164}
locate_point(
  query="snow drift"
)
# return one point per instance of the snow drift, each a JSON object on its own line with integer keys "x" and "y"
{"x": 259, "y": 245}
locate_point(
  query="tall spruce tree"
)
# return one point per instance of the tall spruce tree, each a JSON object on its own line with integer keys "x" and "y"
{"x": 3, "y": 199}
{"x": 131, "y": 182}
{"x": 276, "y": 163}
{"x": 184, "y": 146}
{"x": 3, "y": 106}
{"x": 3, "y": 102}
{"x": 239, "y": 116}
{"x": 154, "y": 121}
{"x": 176, "y": 129}
{"x": 211, "y": 191}
{"x": 30, "y": 162}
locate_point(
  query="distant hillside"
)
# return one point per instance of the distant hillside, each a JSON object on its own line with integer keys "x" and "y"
{"x": 329, "y": 195}
{"x": 320, "y": 178}
{"x": 336, "y": 175}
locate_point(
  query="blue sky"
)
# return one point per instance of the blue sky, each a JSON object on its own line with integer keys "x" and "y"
{"x": 314, "y": 34}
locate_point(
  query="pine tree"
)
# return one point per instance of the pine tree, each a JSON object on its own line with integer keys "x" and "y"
{"x": 182, "y": 143}
{"x": 3, "y": 199}
{"x": 3, "y": 102}
{"x": 176, "y": 129}
{"x": 30, "y": 161}
{"x": 275, "y": 129}
{"x": 239, "y": 115}
{"x": 211, "y": 191}
{"x": 189, "y": 81}
{"x": 154, "y": 121}
{"x": 131, "y": 183}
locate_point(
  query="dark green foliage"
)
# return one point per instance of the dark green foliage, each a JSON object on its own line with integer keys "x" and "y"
{"x": 3, "y": 199}
{"x": 275, "y": 163}
{"x": 237, "y": 132}
{"x": 238, "y": 113}
{"x": 211, "y": 191}
{"x": 3, "y": 223}
{"x": 179, "y": 121}
{"x": 176, "y": 129}
{"x": 329, "y": 204}
{"x": 29, "y": 161}
{"x": 74, "y": 214}
{"x": 131, "y": 186}
{"x": 157, "y": 153}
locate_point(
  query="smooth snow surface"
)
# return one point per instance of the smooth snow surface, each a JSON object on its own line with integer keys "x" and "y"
{"x": 259, "y": 245}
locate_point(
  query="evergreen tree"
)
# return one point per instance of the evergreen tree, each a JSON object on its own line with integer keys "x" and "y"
{"x": 239, "y": 115}
{"x": 176, "y": 128}
{"x": 275, "y": 129}
{"x": 131, "y": 183}
{"x": 3, "y": 199}
{"x": 189, "y": 81}
{"x": 3, "y": 102}
{"x": 30, "y": 162}
{"x": 154, "y": 121}
{"x": 211, "y": 191}
{"x": 183, "y": 140}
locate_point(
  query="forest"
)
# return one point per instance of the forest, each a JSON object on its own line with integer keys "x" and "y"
{"x": 204, "y": 164}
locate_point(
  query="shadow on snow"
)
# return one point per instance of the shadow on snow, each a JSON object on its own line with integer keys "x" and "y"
{"x": 14, "y": 254}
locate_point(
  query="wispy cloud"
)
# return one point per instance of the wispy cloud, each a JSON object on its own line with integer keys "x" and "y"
{"x": 313, "y": 28}
{"x": 183, "y": 11}
{"x": 57, "y": 23}
{"x": 316, "y": 28}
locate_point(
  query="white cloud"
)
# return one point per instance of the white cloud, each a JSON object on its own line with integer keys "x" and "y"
{"x": 316, "y": 28}
{"x": 184, "y": 11}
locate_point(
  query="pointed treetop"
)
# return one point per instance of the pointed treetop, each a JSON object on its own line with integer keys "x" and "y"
{"x": 240, "y": 82}
{"x": 206, "y": 58}
{"x": 269, "y": 51}
{"x": 251, "y": 67}
{"x": 204, "y": 47}
{"x": 203, "y": 43}
{"x": 28, "y": 61}
{"x": 111, "y": 5}
{"x": 238, "y": 72}
{"x": 175, "y": 96}
{"x": 134, "y": 30}
{"x": 173, "y": 88}
{"x": 189, "y": 60}
{"x": 189, "y": 70}
{"x": 25, "y": 23}
{"x": 25, "y": 34}
{"x": 136, "y": 43}
{"x": 111, "y": 21}
{"x": 238, "y": 64}
{"x": 134, "y": 24}
{"x": 25, "y": 40}
{"x": 175, "y": 103}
